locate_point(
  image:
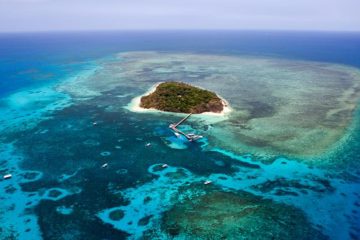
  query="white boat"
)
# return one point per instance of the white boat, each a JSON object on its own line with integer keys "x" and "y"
{"x": 207, "y": 182}
{"x": 105, "y": 165}
{"x": 7, "y": 176}
{"x": 148, "y": 145}
{"x": 164, "y": 165}
{"x": 177, "y": 134}
{"x": 193, "y": 137}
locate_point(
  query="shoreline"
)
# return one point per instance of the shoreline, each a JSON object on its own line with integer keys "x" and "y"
{"x": 134, "y": 106}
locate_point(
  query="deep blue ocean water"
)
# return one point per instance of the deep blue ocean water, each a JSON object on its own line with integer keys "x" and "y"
{"x": 33, "y": 60}
{"x": 51, "y": 53}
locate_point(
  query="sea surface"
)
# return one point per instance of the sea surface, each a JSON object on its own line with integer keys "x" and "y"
{"x": 84, "y": 166}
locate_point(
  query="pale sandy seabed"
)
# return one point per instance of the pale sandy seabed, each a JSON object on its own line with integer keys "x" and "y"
{"x": 278, "y": 108}
{"x": 286, "y": 107}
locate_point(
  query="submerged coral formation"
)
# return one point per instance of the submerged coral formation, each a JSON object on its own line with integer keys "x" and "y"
{"x": 226, "y": 215}
{"x": 83, "y": 168}
{"x": 279, "y": 106}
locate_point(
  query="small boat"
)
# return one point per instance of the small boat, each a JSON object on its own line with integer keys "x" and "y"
{"x": 7, "y": 176}
{"x": 148, "y": 145}
{"x": 164, "y": 165}
{"x": 105, "y": 165}
{"x": 177, "y": 134}
{"x": 95, "y": 123}
{"x": 193, "y": 137}
{"x": 207, "y": 182}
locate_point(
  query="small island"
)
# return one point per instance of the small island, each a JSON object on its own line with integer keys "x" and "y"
{"x": 182, "y": 98}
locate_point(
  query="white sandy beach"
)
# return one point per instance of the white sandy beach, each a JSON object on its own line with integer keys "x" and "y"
{"x": 134, "y": 106}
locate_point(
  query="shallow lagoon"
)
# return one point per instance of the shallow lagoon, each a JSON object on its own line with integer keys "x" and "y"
{"x": 56, "y": 153}
{"x": 280, "y": 106}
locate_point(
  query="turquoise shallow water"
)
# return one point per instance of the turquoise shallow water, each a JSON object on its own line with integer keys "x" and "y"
{"x": 60, "y": 188}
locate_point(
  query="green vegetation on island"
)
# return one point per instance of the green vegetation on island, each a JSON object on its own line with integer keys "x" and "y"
{"x": 183, "y": 98}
